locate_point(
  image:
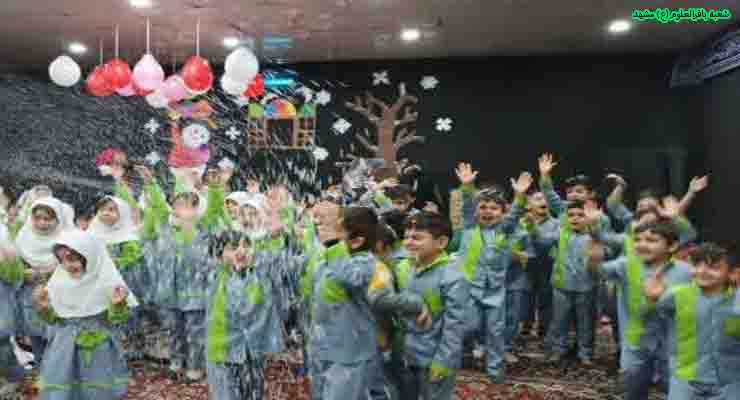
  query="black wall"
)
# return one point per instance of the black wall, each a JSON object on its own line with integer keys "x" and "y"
{"x": 597, "y": 114}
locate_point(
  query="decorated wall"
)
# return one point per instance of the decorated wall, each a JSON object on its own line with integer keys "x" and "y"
{"x": 597, "y": 114}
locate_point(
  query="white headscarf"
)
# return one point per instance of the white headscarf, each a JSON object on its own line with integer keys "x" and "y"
{"x": 91, "y": 294}
{"x": 29, "y": 197}
{"x": 259, "y": 230}
{"x": 124, "y": 230}
{"x": 35, "y": 249}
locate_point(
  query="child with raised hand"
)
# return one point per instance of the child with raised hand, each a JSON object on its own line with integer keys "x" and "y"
{"x": 703, "y": 326}
{"x": 10, "y": 279}
{"x": 651, "y": 253}
{"x": 86, "y": 300}
{"x": 486, "y": 253}
{"x": 242, "y": 319}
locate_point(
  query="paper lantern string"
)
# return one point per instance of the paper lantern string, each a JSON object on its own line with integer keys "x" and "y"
{"x": 197, "y": 38}
{"x": 101, "y": 52}
{"x": 116, "y": 40}
{"x": 147, "y": 37}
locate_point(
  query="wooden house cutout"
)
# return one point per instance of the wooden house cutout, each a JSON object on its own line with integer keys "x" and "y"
{"x": 262, "y": 121}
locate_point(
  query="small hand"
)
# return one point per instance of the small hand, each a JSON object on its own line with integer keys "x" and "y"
{"x": 119, "y": 295}
{"x": 225, "y": 174}
{"x": 466, "y": 174}
{"x": 145, "y": 173}
{"x": 618, "y": 179}
{"x": 698, "y": 184}
{"x": 253, "y": 186}
{"x": 434, "y": 377}
{"x": 654, "y": 286}
{"x": 592, "y": 213}
{"x": 425, "y": 320}
{"x": 546, "y": 164}
{"x": 522, "y": 184}
{"x": 41, "y": 297}
{"x": 117, "y": 171}
{"x": 670, "y": 209}
{"x": 431, "y": 207}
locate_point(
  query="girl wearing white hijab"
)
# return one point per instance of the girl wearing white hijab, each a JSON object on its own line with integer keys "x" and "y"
{"x": 87, "y": 301}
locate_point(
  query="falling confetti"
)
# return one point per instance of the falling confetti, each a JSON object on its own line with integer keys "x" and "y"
{"x": 444, "y": 124}
{"x": 320, "y": 153}
{"x": 153, "y": 158}
{"x": 380, "y": 78}
{"x": 241, "y": 101}
{"x": 341, "y": 126}
{"x": 306, "y": 92}
{"x": 323, "y": 97}
{"x": 233, "y": 133}
{"x": 152, "y": 126}
{"x": 429, "y": 82}
{"x": 226, "y": 163}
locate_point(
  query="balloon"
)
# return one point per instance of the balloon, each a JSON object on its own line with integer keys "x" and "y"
{"x": 127, "y": 90}
{"x": 234, "y": 88}
{"x": 64, "y": 71}
{"x": 148, "y": 74}
{"x": 139, "y": 91}
{"x": 174, "y": 88}
{"x": 241, "y": 65}
{"x": 117, "y": 73}
{"x": 256, "y": 88}
{"x": 197, "y": 74}
{"x": 96, "y": 83}
{"x": 157, "y": 99}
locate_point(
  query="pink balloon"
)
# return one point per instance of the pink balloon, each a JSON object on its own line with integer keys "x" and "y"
{"x": 148, "y": 74}
{"x": 126, "y": 91}
{"x": 174, "y": 88}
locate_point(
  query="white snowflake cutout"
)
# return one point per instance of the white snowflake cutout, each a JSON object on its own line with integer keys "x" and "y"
{"x": 320, "y": 153}
{"x": 153, "y": 158}
{"x": 233, "y": 133}
{"x": 241, "y": 101}
{"x": 444, "y": 124}
{"x": 226, "y": 163}
{"x": 380, "y": 78}
{"x": 429, "y": 82}
{"x": 307, "y": 93}
{"x": 152, "y": 126}
{"x": 341, "y": 126}
{"x": 323, "y": 97}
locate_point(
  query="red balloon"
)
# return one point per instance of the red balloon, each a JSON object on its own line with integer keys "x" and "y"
{"x": 256, "y": 88}
{"x": 97, "y": 85}
{"x": 197, "y": 74}
{"x": 117, "y": 72}
{"x": 139, "y": 91}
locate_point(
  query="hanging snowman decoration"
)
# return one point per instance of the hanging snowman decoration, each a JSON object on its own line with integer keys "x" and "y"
{"x": 190, "y": 153}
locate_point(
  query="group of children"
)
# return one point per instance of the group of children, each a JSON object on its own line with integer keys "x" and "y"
{"x": 382, "y": 298}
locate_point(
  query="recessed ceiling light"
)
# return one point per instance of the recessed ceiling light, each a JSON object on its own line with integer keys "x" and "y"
{"x": 619, "y": 26}
{"x": 141, "y": 3}
{"x": 77, "y": 48}
{"x": 410, "y": 35}
{"x": 231, "y": 41}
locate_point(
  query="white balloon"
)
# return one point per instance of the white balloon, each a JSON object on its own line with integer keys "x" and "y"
{"x": 148, "y": 74}
{"x": 64, "y": 71}
{"x": 233, "y": 87}
{"x": 241, "y": 65}
{"x": 157, "y": 100}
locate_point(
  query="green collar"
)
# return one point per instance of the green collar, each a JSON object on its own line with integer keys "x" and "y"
{"x": 339, "y": 250}
{"x": 443, "y": 258}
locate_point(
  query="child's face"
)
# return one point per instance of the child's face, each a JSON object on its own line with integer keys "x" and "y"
{"x": 328, "y": 221}
{"x": 576, "y": 219}
{"x": 647, "y": 203}
{"x": 403, "y": 204}
{"x": 185, "y": 210}
{"x": 578, "y": 192}
{"x": 108, "y": 213}
{"x": 422, "y": 245}
{"x": 249, "y": 217}
{"x": 711, "y": 276}
{"x": 237, "y": 255}
{"x": 489, "y": 213}
{"x": 232, "y": 208}
{"x": 83, "y": 223}
{"x": 653, "y": 248}
{"x": 44, "y": 221}
{"x": 537, "y": 205}
{"x": 72, "y": 262}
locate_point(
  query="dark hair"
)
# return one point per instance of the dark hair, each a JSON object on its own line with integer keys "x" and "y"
{"x": 361, "y": 222}
{"x": 649, "y": 210}
{"x": 190, "y": 197}
{"x": 396, "y": 220}
{"x": 579, "y": 179}
{"x": 579, "y": 204}
{"x": 711, "y": 253}
{"x": 58, "y": 247}
{"x": 386, "y": 235}
{"x": 663, "y": 228}
{"x": 491, "y": 194}
{"x": 433, "y": 223}
{"x": 102, "y": 202}
{"x": 219, "y": 242}
{"x": 399, "y": 192}
{"x": 383, "y": 173}
{"x": 45, "y": 208}
{"x": 649, "y": 193}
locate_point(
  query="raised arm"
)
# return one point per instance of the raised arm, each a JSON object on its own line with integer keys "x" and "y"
{"x": 554, "y": 202}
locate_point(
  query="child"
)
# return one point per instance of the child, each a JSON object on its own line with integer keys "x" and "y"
{"x": 518, "y": 288}
{"x": 432, "y": 342}
{"x": 651, "y": 252}
{"x": 243, "y": 322}
{"x": 486, "y": 254}
{"x": 11, "y": 277}
{"x": 85, "y": 300}
{"x": 402, "y": 198}
{"x": 703, "y": 326}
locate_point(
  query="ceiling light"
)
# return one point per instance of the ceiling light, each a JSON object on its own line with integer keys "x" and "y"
{"x": 231, "y": 41}
{"x": 619, "y": 26}
{"x": 141, "y": 3}
{"x": 77, "y": 48}
{"x": 410, "y": 35}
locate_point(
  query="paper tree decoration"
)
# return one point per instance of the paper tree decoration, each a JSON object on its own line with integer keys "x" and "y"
{"x": 262, "y": 119}
{"x": 388, "y": 143}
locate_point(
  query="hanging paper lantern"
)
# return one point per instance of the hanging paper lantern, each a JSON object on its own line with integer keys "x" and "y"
{"x": 197, "y": 74}
{"x": 148, "y": 74}
{"x": 96, "y": 83}
{"x": 139, "y": 91}
{"x": 157, "y": 99}
{"x": 117, "y": 73}
{"x": 232, "y": 87}
{"x": 241, "y": 65}
{"x": 64, "y": 71}
{"x": 256, "y": 88}
{"x": 174, "y": 88}
{"x": 127, "y": 90}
